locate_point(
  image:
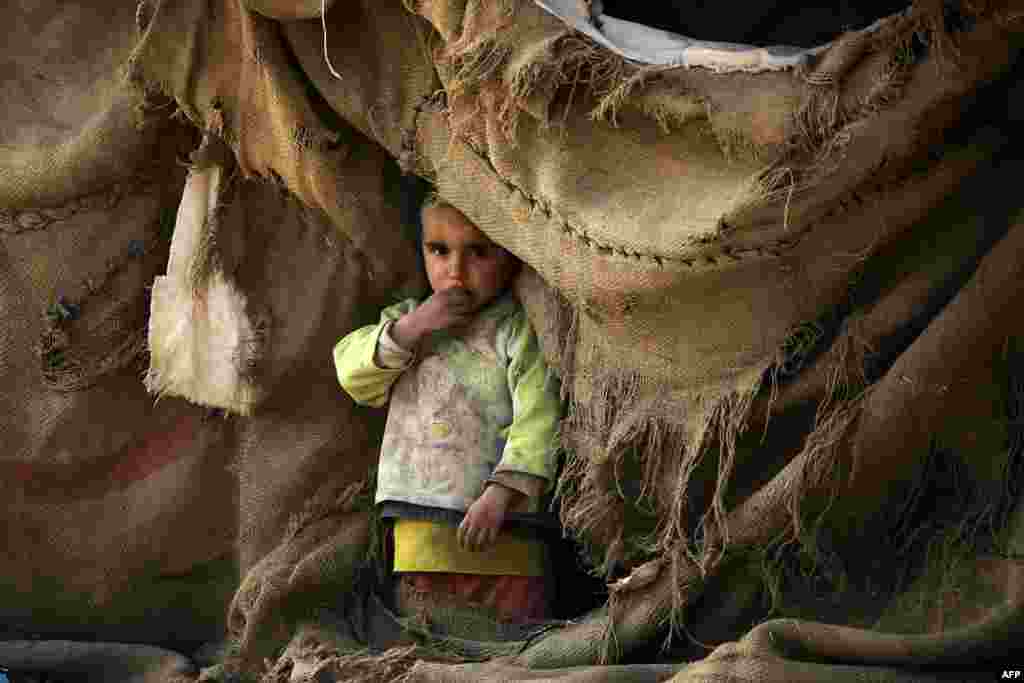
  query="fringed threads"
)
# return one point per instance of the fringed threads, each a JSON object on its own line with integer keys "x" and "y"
{"x": 821, "y": 122}
{"x": 728, "y": 420}
{"x": 624, "y": 87}
{"x": 821, "y": 467}
{"x": 206, "y": 258}
{"x": 327, "y": 502}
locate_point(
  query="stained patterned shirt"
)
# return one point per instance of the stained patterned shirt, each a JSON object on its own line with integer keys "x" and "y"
{"x": 464, "y": 409}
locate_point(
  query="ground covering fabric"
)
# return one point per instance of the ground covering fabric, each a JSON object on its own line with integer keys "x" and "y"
{"x": 781, "y": 303}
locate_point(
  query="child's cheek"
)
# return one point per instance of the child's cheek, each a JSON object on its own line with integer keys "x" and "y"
{"x": 492, "y": 277}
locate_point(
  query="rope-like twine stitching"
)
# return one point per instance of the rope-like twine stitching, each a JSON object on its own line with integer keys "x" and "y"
{"x": 771, "y": 249}
{"x": 17, "y": 221}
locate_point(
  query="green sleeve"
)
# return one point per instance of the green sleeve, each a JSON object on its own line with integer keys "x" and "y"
{"x": 532, "y": 438}
{"x": 358, "y": 374}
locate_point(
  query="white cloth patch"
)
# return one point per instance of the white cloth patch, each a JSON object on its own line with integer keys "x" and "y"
{"x": 199, "y": 341}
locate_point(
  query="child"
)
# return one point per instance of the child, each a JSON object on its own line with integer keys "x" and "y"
{"x": 471, "y": 428}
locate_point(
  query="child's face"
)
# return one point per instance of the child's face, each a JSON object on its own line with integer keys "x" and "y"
{"x": 457, "y": 254}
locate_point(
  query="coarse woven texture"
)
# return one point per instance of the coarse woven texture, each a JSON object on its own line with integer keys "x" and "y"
{"x": 276, "y": 9}
{"x": 312, "y": 567}
{"x": 384, "y": 52}
{"x": 129, "y": 517}
{"x": 229, "y": 70}
{"x": 71, "y": 121}
{"x": 124, "y": 662}
{"x": 103, "y": 536}
{"x": 303, "y": 259}
{"x": 782, "y": 304}
{"x": 912, "y": 196}
{"x": 745, "y": 249}
{"x": 304, "y": 453}
{"x": 204, "y": 344}
{"x": 880, "y": 77}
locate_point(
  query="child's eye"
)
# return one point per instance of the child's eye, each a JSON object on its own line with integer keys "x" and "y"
{"x": 438, "y": 249}
{"x": 479, "y": 251}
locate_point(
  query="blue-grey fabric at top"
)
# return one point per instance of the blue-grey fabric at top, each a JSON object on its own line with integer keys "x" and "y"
{"x": 647, "y": 45}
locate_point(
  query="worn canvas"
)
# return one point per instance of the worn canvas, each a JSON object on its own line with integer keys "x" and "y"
{"x": 779, "y": 285}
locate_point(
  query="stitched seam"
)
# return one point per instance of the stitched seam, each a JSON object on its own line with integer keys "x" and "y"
{"x": 17, "y": 221}
{"x": 731, "y": 254}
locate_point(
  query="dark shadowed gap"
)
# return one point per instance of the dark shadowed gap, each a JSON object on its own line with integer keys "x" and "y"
{"x": 764, "y": 22}
{"x": 982, "y": 195}
{"x": 576, "y": 590}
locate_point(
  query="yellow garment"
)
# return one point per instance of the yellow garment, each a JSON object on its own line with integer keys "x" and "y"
{"x": 425, "y": 546}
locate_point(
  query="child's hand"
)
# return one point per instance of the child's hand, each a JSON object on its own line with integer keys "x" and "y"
{"x": 484, "y": 518}
{"x": 443, "y": 310}
{"x": 448, "y": 308}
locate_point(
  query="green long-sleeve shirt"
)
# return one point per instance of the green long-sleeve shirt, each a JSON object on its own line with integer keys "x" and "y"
{"x": 465, "y": 408}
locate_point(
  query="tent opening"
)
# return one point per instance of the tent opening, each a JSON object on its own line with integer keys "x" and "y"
{"x": 763, "y": 23}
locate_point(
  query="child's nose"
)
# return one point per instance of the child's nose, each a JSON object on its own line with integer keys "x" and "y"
{"x": 456, "y": 265}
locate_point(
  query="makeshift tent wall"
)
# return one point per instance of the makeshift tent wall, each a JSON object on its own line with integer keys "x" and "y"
{"x": 778, "y": 285}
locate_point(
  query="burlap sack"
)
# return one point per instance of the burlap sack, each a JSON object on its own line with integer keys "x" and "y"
{"x": 127, "y": 516}
{"x": 383, "y": 52}
{"x": 203, "y": 340}
{"x": 759, "y": 366}
{"x": 681, "y": 306}
{"x": 229, "y": 71}
{"x": 273, "y": 258}
{"x": 114, "y": 521}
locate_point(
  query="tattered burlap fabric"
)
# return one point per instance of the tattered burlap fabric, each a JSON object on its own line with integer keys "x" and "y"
{"x": 114, "y": 518}
{"x": 537, "y": 183}
{"x": 386, "y": 72}
{"x": 300, "y": 527}
{"x": 130, "y": 517}
{"x": 204, "y": 343}
{"x": 229, "y": 71}
{"x": 96, "y": 661}
{"x": 687, "y": 268}
{"x": 710, "y": 251}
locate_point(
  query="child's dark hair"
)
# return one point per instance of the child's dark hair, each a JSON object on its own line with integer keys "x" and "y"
{"x": 416, "y": 195}
{"x": 413, "y": 193}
